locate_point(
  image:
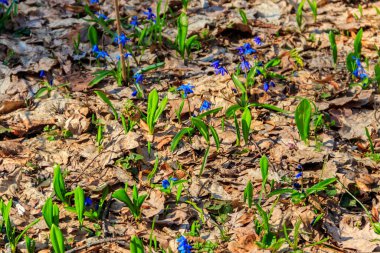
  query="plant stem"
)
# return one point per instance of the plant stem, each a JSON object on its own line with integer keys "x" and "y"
{"x": 124, "y": 73}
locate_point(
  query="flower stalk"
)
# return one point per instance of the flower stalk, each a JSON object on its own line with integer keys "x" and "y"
{"x": 118, "y": 26}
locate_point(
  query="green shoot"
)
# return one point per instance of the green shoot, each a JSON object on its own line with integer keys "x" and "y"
{"x": 248, "y": 194}
{"x": 136, "y": 245}
{"x": 334, "y": 50}
{"x": 50, "y": 213}
{"x": 302, "y": 117}
{"x": 264, "y": 173}
{"x": 299, "y": 14}
{"x": 59, "y": 184}
{"x": 314, "y": 8}
{"x": 56, "y": 239}
{"x": 133, "y": 204}
{"x": 79, "y": 204}
{"x": 155, "y": 109}
{"x": 243, "y": 16}
{"x": 106, "y": 100}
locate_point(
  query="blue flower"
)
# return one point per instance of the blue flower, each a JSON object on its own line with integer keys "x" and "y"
{"x": 258, "y": 41}
{"x": 246, "y": 49}
{"x": 205, "y": 106}
{"x": 173, "y": 179}
{"x": 138, "y": 78}
{"x": 299, "y": 167}
{"x": 94, "y": 1}
{"x": 42, "y": 73}
{"x": 186, "y": 88}
{"x": 87, "y": 201}
{"x": 359, "y": 72}
{"x": 219, "y": 69}
{"x": 299, "y": 174}
{"x": 134, "y": 93}
{"x": 122, "y": 39}
{"x": 99, "y": 53}
{"x": 134, "y": 21}
{"x": 296, "y": 186}
{"x": 4, "y": 2}
{"x": 215, "y": 64}
{"x": 245, "y": 65}
{"x": 165, "y": 184}
{"x": 101, "y": 15}
{"x": 150, "y": 15}
{"x": 183, "y": 245}
{"x": 126, "y": 55}
{"x": 267, "y": 85}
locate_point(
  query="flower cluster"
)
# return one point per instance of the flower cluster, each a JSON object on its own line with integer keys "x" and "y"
{"x": 4, "y": 2}
{"x": 246, "y": 49}
{"x": 122, "y": 39}
{"x": 134, "y": 22}
{"x": 166, "y": 183}
{"x": 94, "y": 1}
{"x": 205, "y": 106}
{"x": 219, "y": 69}
{"x": 186, "y": 88}
{"x": 359, "y": 72}
{"x": 149, "y": 14}
{"x": 258, "y": 41}
{"x": 268, "y": 85}
{"x": 99, "y": 53}
{"x": 87, "y": 201}
{"x": 183, "y": 245}
{"x": 138, "y": 78}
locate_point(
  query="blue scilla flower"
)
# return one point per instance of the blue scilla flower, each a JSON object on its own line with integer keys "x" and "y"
{"x": 42, "y": 73}
{"x": 246, "y": 49}
{"x": 4, "y": 2}
{"x": 245, "y": 65}
{"x": 183, "y": 245}
{"x": 219, "y": 69}
{"x": 268, "y": 85}
{"x": 296, "y": 186}
{"x": 134, "y": 93}
{"x": 165, "y": 184}
{"x": 122, "y": 39}
{"x": 134, "y": 21}
{"x": 138, "y": 78}
{"x": 186, "y": 88}
{"x": 299, "y": 175}
{"x": 94, "y": 1}
{"x": 205, "y": 106}
{"x": 101, "y": 15}
{"x": 87, "y": 201}
{"x": 99, "y": 53}
{"x": 149, "y": 14}
{"x": 359, "y": 72}
{"x": 258, "y": 41}
{"x": 126, "y": 55}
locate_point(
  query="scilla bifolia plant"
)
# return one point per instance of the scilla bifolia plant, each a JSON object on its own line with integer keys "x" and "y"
{"x": 12, "y": 235}
{"x": 50, "y": 213}
{"x": 56, "y": 239}
{"x": 6, "y": 13}
{"x": 59, "y": 184}
{"x": 183, "y": 44}
{"x": 302, "y": 117}
{"x": 133, "y": 204}
{"x": 154, "y": 110}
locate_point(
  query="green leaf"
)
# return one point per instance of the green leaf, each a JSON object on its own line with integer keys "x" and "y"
{"x": 230, "y": 112}
{"x": 204, "y": 161}
{"x": 123, "y": 197}
{"x": 264, "y": 170}
{"x": 25, "y": 230}
{"x": 215, "y": 136}
{"x": 246, "y": 120}
{"x": 269, "y": 107}
{"x": 202, "y": 128}
{"x": 50, "y": 213}
{"x": 281, "y": 191}
{"x": 272, "y": 63}
{"x": 302, "y": 117}
{"x": 237, "y": 128}
{"x": 152, "y": 67}
{"x": 106, "y": 100}
{"x": 152, "y": 107}
{"x": 333, "y": 46}
{"x": 377, "y": 73}
{"x": 179, "y": 136}
{"x": 136, "y": 245}
{"x": 57, "y": 239}
{"x": 243, "y": 16}
{"x": 160, "y": 109}
{"x": 192, "y": 42}
{"x": 79, "y": 203}
{"x": 42, "y": 92}
{"x": 92, "y": 35}
{"x": 350, "y": 62}
{"x": 209, "y": 112}
{"x": 59, "y": 183}
{"x": 370, "y": 140}
{"x": 358, "y": 43}
{"x": 299, "y": 13}
{"x": 320, "y": 186}
{"x": 183, "y": 24}
{"x": 248, "y": 194}
{"x": 239, "y": 85}
{"x": 99, "y": 76}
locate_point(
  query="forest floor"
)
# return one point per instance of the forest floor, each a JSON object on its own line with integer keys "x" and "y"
{"x": 60, "y": 124}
